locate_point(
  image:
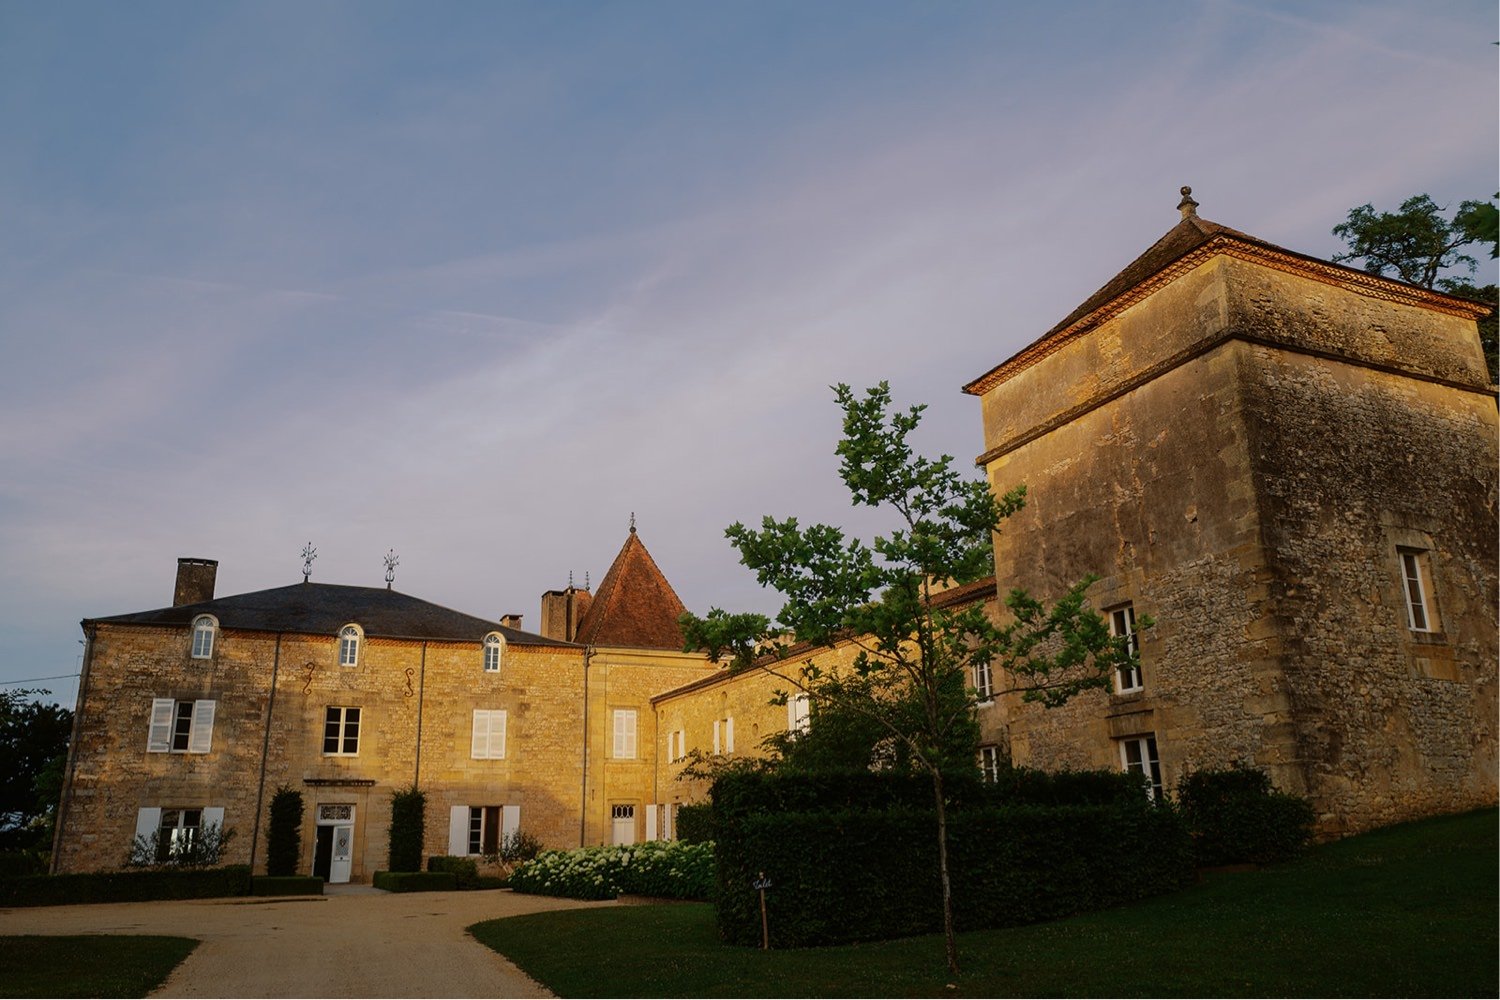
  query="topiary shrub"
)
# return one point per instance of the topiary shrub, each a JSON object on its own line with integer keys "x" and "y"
{"x": 414, "y": 881}
{"x": 695, "y": 823}
{"x": 465, "y": 871}
{"x": 1235, "y": 817}
{"x": 408, "y": 829}
{"x": 284, "y": 832}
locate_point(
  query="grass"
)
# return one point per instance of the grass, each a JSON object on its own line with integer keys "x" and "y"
{"x": 94, "y": 965}
{"x": 1406, "y": 911}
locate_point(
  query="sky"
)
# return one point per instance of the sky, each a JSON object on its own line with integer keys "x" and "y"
{"x": 474, "y": 282}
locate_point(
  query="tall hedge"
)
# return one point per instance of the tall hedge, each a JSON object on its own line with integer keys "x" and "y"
{"x": 867, "y": 871}
{"x": 284, "y": 832}
{"x": 1236, "y": 816}
{"x": 408, "y": 828}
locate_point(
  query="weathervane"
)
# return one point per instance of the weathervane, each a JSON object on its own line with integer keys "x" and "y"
{"x": 570, "y": 579}
{"x": 632, "y": 522}
{"x": 308, "y": 555}
{"x": 585, "y": 579}
{"x": 391, "y": 562}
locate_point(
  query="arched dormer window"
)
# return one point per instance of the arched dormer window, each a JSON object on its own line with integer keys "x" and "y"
{"x": 494, "y": 648}
{"x": 204, "y": 627}
{"x": 350, "y": 637}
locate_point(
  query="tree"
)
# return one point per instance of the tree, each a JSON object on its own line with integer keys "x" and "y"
{"x": 1419, "y": 245}
{"x": 33, "y": 751}
{"x": 909, "y": 677}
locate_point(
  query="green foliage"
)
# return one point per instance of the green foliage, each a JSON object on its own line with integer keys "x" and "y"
{"x": 201, "y": 848}
{"x": 414, "y": 881}
{"x": 33, "y": 753}
{"x": 284, "y": 832}
{"x": 721, "y": 634}
{"x": 14, "y": 864}
{"x": 128, "y": 886}
{"x": 695, "y": 823}
{"x": 286, "y": 885}
{"x": 465, "y": 871}
{"x": 666, "y": 869}
{"x": 1235, "y": 816}
{"x": 869, "y": 874}
{"x": 408, "y": 829}
{"x": 93, "y": 965}
{"x": 518, "y": 848}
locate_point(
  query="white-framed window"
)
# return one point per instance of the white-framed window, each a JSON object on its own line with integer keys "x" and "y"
{"x": 481, "y": 829}
{"x": 1138, "y": 754}
{"x": 341, "y": 731}
{"x": 798, "y": 713}
{"x": 181, "y": 726}
{"x": 178, "y": 829}
{"x": 488, "y": 740}
{"x": 676, "y": 745}
{"x": 624, "y": 733}
{"x": 484, "y": 829}
{"x": 204, "y": 627}
{"x": 349, "y": 640}
{"x": 494, "y": 647}
{"x": 1416, "y": 585}
{"x": 1122, "y": 624}
{"x": 984, "y": 682}
{"x": 622, "y": 824}
{"x": 989, "y": 762}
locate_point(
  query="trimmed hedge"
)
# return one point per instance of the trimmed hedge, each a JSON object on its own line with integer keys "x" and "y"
{"x": 1235, "y": 817}
{"x": 286, "y": 885}
{"x": 284, "y": 833}
{"x": 129, "y": 886}
{"x": 668, "y": 869}
{"x": 695, "y": 823}
{"x": 465, "y": 871}
{"x": 407, "y": 830}
{"x": 842, "y": 873}
{"x": 15, "y": 864}
{"x": 415, "y": 881}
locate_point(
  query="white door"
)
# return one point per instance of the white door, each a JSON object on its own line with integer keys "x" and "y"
{"x": 623, "y": 827}
{"x": 343, "y": 854}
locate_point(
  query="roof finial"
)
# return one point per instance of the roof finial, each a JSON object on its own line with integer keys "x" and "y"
{"x": 570, "y": 579}
{"x": 308, "y": 555}
{"x": 1187, "y": 206}
{"x": 585, "y": 579}
{"x": 391, "y": 562}
{"x": 632, "y": 522}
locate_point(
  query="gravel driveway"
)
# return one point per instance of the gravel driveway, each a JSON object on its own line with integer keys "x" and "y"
{"x": 355, "y": 942}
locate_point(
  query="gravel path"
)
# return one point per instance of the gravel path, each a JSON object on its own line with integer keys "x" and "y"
{"x": 355, "y": 942}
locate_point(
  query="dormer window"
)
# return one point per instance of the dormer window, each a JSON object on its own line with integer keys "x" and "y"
{"x": 204, "y": 628}
{"x": 494, "y": 647}
{"x": 349, "y": 639}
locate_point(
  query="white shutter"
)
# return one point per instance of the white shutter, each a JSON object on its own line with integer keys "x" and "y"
{"x": 458, "y": 830}
{"x": 651, "y": 822}
{"x": 148, "y": 821}
{"x": 716, "y": 736}
{"x": 202, "y": 738}
{"x": 213, "y": 816}
{"x": 159, "y": 736}
{"x": 479, "y": 743}
{"x": 497, "y": 734}
{"x": 669, "y": 821}
{"x": 510, "y": 820}
{"x": 630, "y": 720}
{"x": 619, "y": 744}
{"x": 729, "y": 735}
{"x": 791, "y": 714}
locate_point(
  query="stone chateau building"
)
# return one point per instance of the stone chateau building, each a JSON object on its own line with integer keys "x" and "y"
{"x": 1289, "y": 465}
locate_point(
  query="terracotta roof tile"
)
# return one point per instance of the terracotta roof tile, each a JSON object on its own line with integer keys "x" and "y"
{"x": 634, "y": 605}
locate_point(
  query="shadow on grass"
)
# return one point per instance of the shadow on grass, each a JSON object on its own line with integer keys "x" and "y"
{"x": 1406, "y": 911}
{"x": 94, "y": 965}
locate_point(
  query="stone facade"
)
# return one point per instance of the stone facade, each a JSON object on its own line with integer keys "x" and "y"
{"x": 1245, "y": 445}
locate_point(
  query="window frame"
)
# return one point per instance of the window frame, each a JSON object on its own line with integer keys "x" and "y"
{"x": 624, "y": 742}
{"x": 490, "y": 717}
{"x": 1148, "y": 764}
{"x": 172, "y": 722}
{"x": 488, "y": 831}
{"x": 167, "y": 837}
{"x": 350, "y": 638}
{"x": 798, "y": 714}
{"x": 989, "y": 762}
{"x": 494, "y": 652}
{"x": 1131, "y": 678}
{"x": 983, "y": 676}
{"x": 202, "y": 648}
{"x": 341, "y": 736}
{"x": 1415, "y": 568}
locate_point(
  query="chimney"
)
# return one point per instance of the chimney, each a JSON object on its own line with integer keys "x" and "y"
{"x": 511, "y": 621}
{"x": 562, "y": 610}
{"x": 195, "y": 581}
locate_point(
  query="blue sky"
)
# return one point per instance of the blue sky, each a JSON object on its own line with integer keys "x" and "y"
{"x": 474, "y": 281}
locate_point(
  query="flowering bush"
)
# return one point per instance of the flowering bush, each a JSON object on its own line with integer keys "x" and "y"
{"x": 669, "y": 869}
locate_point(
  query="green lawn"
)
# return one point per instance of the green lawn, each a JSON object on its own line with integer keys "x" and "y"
{"x": 1406, "y": 911}
{"x": 95, "y": 965}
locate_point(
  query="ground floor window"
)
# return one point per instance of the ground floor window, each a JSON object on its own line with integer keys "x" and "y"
{"x": 989, "y": 762}
{"x": 179, "y": 830}
{"x": 1138, "y": 754}
{"x": 622, "y": 824}
{"x": 484, "y": 829}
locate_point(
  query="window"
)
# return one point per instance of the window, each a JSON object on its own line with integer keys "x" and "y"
{"x": 1416, "y": 584}
{"x": 341, "y": 731}
{"x": 1122, "y": 624}
{"x": 484, "y": 829}
{"x": 203, "y": 637}
{"x": 488, "y": 741}
{"x": 481, "y": 829}
{"x": 181, "y": 726}
{"x": 798, "y": 717}
{"x": 984, "y": 684}
{"x": 989, "y": 762}
{"x": 729, "y": 735}
{"x": 676, "y": 745}
{"x": 1138, "y": 754}
{"x": 493, "y": 647}
{"x": 622, "y": 824}
{"x": 349, "y": 637}
{"x": 179, "y": 829}
{"x": 624, "y": 746}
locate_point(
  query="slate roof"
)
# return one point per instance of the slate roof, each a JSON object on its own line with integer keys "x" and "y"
{"x": 322, "y": 608}
{"x": 634, "y": 605}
